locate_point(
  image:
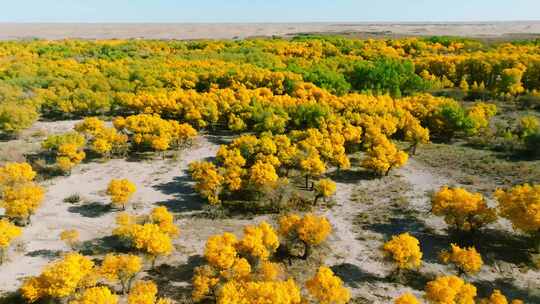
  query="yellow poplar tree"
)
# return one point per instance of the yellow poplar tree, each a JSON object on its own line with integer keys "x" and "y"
{"x": 324, "y": 188}
{"x": 310, "y": 229}
{"x": 407, "y": 298}
{"x": 145, "y": 292}
{"x": 498, "y": 298}
{"x": 328, "y": 288}
{"x": 121, "y": 268}
{"x": 21, "y": 201}
{"x": 450, "y": 290}
{"x": 467, "y": 260}
{"x": 60, "y": 279}
{"x": 312, "y": 166}
{"x": 461, "y": 209}
{"x": 405, "y": 251}
{"x": 383, "y": 156}
{"x": 121, "y": 190}
{"x": 208, "y": 180}
{"x": 521, "y": 205}
{"x": 8, "y": 232}
{"x": 96, "y": 295}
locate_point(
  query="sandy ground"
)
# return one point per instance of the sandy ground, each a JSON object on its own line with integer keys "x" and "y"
{"x": 367, "y": 212}
{"x": 516, "y": 29}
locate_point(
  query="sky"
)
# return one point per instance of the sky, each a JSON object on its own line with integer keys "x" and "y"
{"x": 266, "y": 10}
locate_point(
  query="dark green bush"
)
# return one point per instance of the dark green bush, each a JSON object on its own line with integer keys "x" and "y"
{"x": 386, "y": 75}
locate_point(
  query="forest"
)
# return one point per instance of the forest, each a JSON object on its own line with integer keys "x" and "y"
{"x": 317, "y": 169}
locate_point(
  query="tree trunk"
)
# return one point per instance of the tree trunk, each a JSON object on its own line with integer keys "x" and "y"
{"x": 307, "y": 250}
{"x": 317, "y": 197}
{"x": 536, "y": 240}
{"x": 123, "y": 284}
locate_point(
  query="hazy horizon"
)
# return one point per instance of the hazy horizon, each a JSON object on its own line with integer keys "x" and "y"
{"x": 262, "y": 11}
{"x": 277, "y": 22}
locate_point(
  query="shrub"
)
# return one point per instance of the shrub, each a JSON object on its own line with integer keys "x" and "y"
{"x": 70, "y": 237}
{"x": 532, "y": 144}
{"x": 386, "y": 75}
{"x": 15, "y": 117}
{"x": 73, "y": 198}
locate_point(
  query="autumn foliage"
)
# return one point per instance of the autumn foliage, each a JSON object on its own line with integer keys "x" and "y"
{"x": 60, "y": 279}
{"x": 450, "y": 290}
{"x": 328, "y": 288}
{"x": 404, "y": 250}
{"x": 121, "y": 190}
{"x": 466, "y": 260}
{"x": 20, "y": 196}
{"x": 311, "y": 230}
{"x": 8, "y": 232}
{"x": 461, "y": 209}
{"x": 151, "y": 234}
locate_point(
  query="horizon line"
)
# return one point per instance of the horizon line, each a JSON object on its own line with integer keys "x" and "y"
{"x": 270, "y": 22}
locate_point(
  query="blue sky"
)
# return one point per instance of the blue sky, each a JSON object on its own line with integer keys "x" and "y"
{"x": 266, "y": 10}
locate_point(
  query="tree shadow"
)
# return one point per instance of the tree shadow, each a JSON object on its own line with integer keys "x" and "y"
{"x": 46, "y": 253}
{"x": 5, "y": 137}
{"x": 506, "y": 286}
{"x": 431, "y": 243}
{"x": 167, "y": 277}
{"x": 494, "y": 245}
{"x": 92, "y": 210}
{"x": 502, "y": 245}
{"x": 220, "y": 138}
{"x": 103, "y": 245}
{"x": 351, "y": 176}
{"x": 13, "y": 298}
{"x": 353, "y": 276}
{"x": 185, "y": 197}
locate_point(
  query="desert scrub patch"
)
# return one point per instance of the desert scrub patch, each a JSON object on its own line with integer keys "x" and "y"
{"x": 73, "y": 198}
{"x": 479, "y": 168}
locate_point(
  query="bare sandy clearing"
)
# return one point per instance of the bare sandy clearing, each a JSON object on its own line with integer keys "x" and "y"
{"x": 93, "y": 217}
{"x": 371, "y": 211}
